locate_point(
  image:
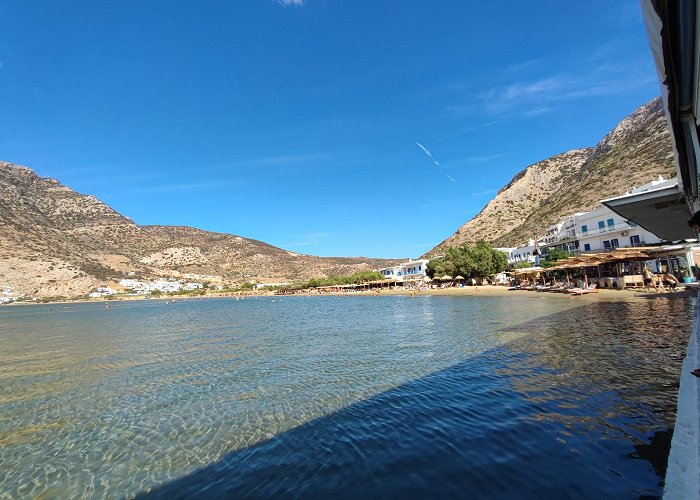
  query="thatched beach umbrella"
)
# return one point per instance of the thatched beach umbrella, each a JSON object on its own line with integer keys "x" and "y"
{"x": 628, "y": 255}
{"x": 582, "y": 261}
{"x": 621, "y": 254}
{"x": 427, "y": 279}
{"x": 446, "y": 277}
{"x": 459, "y": 277}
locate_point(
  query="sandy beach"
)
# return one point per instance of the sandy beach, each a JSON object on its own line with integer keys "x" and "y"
{"x": 602, "y": 295}
{"x": 606, "y": 295}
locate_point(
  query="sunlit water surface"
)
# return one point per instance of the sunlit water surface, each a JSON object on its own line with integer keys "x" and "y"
{"x": 347, "y": 397}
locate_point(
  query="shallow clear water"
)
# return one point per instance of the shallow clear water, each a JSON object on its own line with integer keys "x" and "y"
{"x": 350, "y": 396}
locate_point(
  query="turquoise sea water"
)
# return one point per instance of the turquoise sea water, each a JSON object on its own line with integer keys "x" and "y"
{"x": 339, "y": 396}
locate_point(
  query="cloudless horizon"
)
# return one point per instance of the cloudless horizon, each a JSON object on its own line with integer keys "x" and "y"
{"x": 324, "y": 127}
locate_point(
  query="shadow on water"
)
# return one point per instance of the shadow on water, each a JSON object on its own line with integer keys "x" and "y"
{"x": 582, "y": 407}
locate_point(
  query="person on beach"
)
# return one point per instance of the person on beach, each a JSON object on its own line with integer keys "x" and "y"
{"x": 670, "y": 280}
{"x": 648, "y": 279}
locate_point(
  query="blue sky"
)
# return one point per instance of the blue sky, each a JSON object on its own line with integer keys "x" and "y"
{"x": 307, "y": 123}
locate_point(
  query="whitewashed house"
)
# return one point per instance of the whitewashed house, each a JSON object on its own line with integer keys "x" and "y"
{"x": 526, "y": 253}
{"x": 161, "y": 285}
{"x": 603, "y": 230}
{"x": 164, "y": 285}
{"x": 102, "y": 291}
{"x": 410, "y": 270}
{"x": 553, "y": 234}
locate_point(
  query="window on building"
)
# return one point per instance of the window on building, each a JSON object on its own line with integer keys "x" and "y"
{"x": 584, "y": 228}
{"x": 611, "y": 223}
{"x": 634, "y": 240}
{"x": 614, "y": 243}
{"x": 606, "y": 244}
{"x": 586, "y": 247}
{"x": 601, "y": 225}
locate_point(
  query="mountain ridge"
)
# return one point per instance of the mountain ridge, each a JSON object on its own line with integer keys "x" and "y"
{"x": 55, "y": 241}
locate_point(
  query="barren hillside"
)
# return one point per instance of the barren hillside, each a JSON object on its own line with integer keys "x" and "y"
{"x": 635, "y": 152}
{"x": 54, "y": 241}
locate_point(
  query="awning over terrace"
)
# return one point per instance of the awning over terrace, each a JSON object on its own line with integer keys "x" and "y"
{"x": 663, "y": 211}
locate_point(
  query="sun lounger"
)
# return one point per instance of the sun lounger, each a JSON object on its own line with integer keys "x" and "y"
{"x": 582, "y": 291}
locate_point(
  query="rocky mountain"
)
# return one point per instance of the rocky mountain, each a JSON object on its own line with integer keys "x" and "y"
{"x": 54, "y": 241}
{"x": 635, "y": 152}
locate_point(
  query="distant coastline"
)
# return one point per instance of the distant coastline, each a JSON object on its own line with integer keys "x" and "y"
{"x": 603, "y": 295}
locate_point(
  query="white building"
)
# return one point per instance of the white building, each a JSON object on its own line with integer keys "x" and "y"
{"x": 102, "y": 291}
{"x": 603, "y": 230}
{"x": 600, "y": 230}
{"x": 131, "y": 283}
{"x": 410, "y": 270}
{"x": 8, "y": 295}
{"x": 553, "y": 234}
{"x": 161, "y": 285}
{"x": 164, "y": 285}
{"x": 526, "y": 253}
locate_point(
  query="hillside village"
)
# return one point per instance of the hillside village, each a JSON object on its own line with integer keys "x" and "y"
{"x": 600, "y": 230}
{"x": 582, "y": 233}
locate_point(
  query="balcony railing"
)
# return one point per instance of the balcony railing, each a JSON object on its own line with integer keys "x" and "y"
{"x": 609, "y": 229}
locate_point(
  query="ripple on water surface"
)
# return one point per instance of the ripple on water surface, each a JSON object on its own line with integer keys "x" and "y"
{"x": 354, "y": 396}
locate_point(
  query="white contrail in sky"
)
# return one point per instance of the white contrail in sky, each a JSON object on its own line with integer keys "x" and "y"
{"x": 430, "y": 155}
{"x": 427, "y": 152}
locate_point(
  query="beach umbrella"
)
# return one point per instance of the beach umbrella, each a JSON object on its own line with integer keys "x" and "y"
{"x": 427, "y": 279}
{"x": 624, "y": 254}
{"x": 446, "y": 277}
{"x": 459, "y": 277}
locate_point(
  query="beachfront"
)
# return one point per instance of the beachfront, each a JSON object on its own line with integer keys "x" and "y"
{"x": 503, "y": 291}
{"x": 605, "y": 294}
